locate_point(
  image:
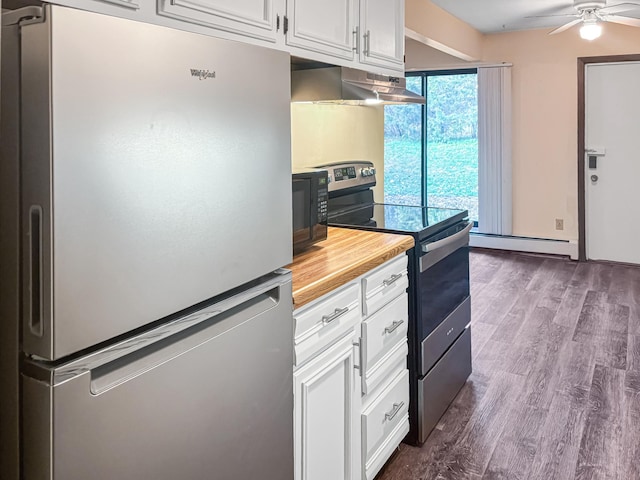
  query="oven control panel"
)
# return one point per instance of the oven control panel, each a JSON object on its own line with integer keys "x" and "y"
{"x": 345, "y": 175}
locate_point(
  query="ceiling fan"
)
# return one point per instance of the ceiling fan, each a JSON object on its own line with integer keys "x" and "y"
{"x": 591, "y": 13}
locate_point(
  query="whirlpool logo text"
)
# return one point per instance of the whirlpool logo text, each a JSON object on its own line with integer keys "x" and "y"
{"x": 202, "y": 74}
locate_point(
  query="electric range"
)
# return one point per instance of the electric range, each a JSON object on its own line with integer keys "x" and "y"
{"x": 439, "y": 359}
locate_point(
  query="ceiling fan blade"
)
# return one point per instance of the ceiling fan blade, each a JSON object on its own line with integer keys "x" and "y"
{"x": 566, "y": 26}
{"x": 558, "y": 15}
{"x": 619, "y": 8}
{"x": 632, "y": 22}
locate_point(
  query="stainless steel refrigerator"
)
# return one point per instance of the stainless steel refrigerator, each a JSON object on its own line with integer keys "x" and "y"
{"x": 146, "y": 199}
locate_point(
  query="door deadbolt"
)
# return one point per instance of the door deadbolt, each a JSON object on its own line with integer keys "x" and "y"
{"x": 594, "y": 178}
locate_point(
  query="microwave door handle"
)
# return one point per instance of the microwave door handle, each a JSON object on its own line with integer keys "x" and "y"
{"x": 457, "y": 238}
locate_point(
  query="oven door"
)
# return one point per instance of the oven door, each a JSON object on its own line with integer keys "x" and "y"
{"x": 443, "y": 285}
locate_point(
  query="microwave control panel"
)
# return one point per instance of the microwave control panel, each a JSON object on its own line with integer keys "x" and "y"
{"x": 323, "y": 197}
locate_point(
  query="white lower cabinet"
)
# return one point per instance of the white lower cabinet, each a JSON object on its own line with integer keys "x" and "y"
{"x": 326, "y": 386}
{"x": 385, "y": 378}
{"x": 350, "y": 377}
{"x": 326, "y": 399}
{"x": 385, "y": 422}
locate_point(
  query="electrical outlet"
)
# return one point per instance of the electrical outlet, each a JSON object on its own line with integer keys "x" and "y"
{"x": 559, "y": 224}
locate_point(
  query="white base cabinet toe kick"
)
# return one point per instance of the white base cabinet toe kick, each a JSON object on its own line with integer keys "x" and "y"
{"x": 351, "y": 383}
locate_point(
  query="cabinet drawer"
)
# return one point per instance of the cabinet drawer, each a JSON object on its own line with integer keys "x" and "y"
{"x": 318, "y": 325}
{"x": 383, "y": 330}
{"x": 391, "y": 362}
{"x": 383, "y": 420}
{"x": 384, "y": 284}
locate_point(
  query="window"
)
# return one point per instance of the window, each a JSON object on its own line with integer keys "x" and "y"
{"x": 431, "y": 151}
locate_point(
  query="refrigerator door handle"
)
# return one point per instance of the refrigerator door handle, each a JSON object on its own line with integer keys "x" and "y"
{"x": 35, "y": 315}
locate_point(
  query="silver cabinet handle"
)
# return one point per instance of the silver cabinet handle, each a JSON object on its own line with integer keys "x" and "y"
{"x": 356, "y": 40}
{"x": 394, "y": 412}
{"x": 367, "y": 42}
{"x": 393, "y": 326}
{"x": 391, "y": 280}
{"x": 338, "y": 312}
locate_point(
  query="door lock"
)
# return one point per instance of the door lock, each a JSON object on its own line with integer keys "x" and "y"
{"x": 594, "y": 178}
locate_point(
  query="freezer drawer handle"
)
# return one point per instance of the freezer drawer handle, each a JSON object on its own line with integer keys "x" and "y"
{"x": 392, "y": 279}
{"x": 393, "y": 326}
{"x": 338, "y": 312}
{"x": 396, "y": 408}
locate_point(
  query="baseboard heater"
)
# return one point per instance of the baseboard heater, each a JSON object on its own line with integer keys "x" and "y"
{"x": 525, "y": 244}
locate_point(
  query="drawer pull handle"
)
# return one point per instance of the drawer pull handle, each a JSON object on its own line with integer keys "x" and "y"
{"x": 393, "y": 326}
{"x": 391, "y": 280}
{"x": 338, "y": 312}
{"x": 396, "y": 408}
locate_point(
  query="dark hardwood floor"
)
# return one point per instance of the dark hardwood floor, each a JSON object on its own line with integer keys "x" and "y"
{"x": 555, "y": 389}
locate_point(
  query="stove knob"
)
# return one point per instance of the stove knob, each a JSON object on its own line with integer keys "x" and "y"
{"x": 372, "y": 171}
{"x": 364, "y": 172}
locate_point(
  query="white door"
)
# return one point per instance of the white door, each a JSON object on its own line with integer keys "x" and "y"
{"x": 382, "y": 33}
{"x": 251, "y": 18}
{"x": 326, "y": 415}
{"x": 612, "y": 185}
{"x": 327, "y": 27}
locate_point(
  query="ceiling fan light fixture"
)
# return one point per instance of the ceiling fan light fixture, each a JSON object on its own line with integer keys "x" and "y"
{"x": 590, "y": 30}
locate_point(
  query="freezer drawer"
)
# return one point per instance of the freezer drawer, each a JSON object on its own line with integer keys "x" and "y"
{"x": 213, "y": 400}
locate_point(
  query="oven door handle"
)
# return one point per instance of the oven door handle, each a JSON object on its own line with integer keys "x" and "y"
{"x": 455, "y": 238}
{"x": 436, "y": 251}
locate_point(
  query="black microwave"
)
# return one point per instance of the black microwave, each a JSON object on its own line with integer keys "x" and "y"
{"x": 310, "y": 193}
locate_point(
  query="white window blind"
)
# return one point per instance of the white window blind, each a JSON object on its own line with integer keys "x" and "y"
{"x": 494, "y": 150}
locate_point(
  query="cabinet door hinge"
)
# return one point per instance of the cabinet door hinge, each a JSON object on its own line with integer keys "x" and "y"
{"x": 277, "y": 23}
{"x": 285, "y": 24}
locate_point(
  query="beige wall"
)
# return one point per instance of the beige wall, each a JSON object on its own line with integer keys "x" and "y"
{"x": 440, "y": 29}
{"x": 331, "y": 133}
{"x": 545, "y": 120}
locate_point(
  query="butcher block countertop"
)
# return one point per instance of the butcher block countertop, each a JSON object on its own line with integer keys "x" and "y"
{"x": 343, "y": 256}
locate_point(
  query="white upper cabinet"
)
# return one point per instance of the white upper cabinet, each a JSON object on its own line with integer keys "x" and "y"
{"x": 133, "y": 4}
{"x": 326, "y": 27}
{"x": 364, "y": 34}
{"x": 257, "y": 19}
{"x": 382, "y": 30}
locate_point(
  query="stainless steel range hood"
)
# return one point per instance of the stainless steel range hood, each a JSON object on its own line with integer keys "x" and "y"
{"x": 342, "y": 85}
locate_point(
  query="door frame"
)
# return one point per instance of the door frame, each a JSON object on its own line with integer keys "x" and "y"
{"x": 582, "y": 217}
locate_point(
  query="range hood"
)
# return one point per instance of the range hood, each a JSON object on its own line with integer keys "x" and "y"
{"x": 342, "y": 85}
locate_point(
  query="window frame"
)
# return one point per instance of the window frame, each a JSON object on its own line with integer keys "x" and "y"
{"x": 424, "y": 75}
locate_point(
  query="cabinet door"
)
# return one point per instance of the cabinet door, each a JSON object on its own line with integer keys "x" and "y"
{"x": 251, "y": 18}
{"x": 133, "y": 4}
{"x": 326, "y": 411}
{"x": 327, "y": 27}
{"x": 382, "y": 31}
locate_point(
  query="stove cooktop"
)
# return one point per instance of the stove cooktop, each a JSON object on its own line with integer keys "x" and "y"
{"x": 418, "y": 221}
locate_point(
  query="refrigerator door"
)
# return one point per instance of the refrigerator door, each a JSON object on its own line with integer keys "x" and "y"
{"x": 156, "y": 173}
{"x": 209, "y": 395}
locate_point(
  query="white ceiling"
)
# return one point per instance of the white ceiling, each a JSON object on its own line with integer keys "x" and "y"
{"x": 491, "y": 16}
